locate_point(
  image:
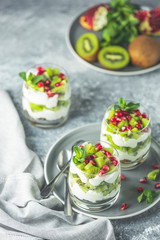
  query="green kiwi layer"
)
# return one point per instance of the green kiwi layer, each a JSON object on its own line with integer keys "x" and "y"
{"x": 61, "y": 103}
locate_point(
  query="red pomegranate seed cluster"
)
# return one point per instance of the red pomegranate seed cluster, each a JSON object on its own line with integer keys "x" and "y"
{"x": 124, "y": 206}
{"x": 123, "y": 177}
{"x": 140, "y": 189}
{"x": 143, "y": 180}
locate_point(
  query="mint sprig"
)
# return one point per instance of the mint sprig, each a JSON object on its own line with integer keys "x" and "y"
{"x": 147, "y": 195}
{"x": 23, "y": 76}
{"x": 131, "y": 106}
{"x": 80, "y": 154}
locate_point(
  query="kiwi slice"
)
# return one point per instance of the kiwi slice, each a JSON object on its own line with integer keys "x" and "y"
{"x": 87, "y": 47}
{"x": 113, "y": 57}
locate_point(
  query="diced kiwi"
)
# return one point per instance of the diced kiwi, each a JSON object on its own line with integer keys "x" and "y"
{"x": 89, "y": 165}
{"x": 81, "y": 165}
{"x": 134, "y": 129}
{"x": 111, "y": 114}
{"x": 145, "y": 121}
{"x": 100, "y": 161}
{"x": 87, "y": 46}
{"x": 121, "y": 124}
{"x": 133, "y": 122}
{"x": 113, "y": 57}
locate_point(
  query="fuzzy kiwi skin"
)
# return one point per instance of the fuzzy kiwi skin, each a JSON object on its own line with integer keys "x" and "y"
{"x": 144, "y": 51}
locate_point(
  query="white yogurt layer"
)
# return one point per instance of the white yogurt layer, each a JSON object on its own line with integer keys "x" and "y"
{"x": 109, "y": 178}
{"x": 46, "y": 114}
{"x": 130, "y": 156}
{"x": 91, "y": 195}
{"x": 41, "y": 98}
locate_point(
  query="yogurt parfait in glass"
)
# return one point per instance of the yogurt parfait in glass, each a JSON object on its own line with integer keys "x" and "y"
{"x": 46, "y": 95}
{"x": 126, "y": 126}
{"x": 94, "y": 176}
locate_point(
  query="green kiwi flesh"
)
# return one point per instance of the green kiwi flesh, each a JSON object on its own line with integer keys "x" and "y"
{"x": 87, "y": 46}
{"x": 113, "y": 57}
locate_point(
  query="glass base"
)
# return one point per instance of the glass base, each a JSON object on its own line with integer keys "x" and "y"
{"x": 42, "y": 123}
{"x": 129, "y": 165}
{"x": 97, "y": 206}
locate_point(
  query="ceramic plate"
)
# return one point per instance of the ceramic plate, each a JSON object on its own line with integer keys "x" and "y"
{"x": 75, "y": 31}
{"x": 129, "y": 187}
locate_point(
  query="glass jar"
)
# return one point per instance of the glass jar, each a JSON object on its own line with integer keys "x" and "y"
{"x": 133, "y": 140}
{"x": 46, "y": 96}
{"x": 94, "y": 176}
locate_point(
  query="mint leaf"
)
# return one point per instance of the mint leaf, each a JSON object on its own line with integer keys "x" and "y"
{"x": 122, "y": 102}
{"x": 116, "y": 107}
{"x": 30, "y": 76}
{"x": 141, "y": 198}
{"x": 38, "y": 78}
{"x": 77, "y": 151}
{"x": 23, "y": 76}
{"x": 147, "y": 195}
{"x": 80, "y": 154}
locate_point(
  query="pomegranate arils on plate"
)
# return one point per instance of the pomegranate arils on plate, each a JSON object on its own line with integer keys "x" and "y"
{"x": 40, "y": 84}
{"x": 122, "y": 177}
{"x": 155, "y": 166}
{"x": 124, "y": 206}
{"x": 157, "y": 185}
{"x": 140, "y": 189}
{"x": 143, "y": 180}
{"x": 105, "y": 167}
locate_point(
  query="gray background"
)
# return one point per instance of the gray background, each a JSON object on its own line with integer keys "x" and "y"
{"x": 33, "y": 31}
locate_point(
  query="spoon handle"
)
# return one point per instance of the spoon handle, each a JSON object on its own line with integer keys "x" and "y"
{"x": 49, "y": 187}
{"x": 67, "y": 200}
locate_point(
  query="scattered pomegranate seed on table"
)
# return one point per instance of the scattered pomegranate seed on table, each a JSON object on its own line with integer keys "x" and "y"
{"x": 124, "y": 206}
{"x": 155, "y": 166}
{"x": 123, "y": 177}
{"x": 140, "y": 189}
{"x": 157, "y": 185}
{"x": 143, "y": 180}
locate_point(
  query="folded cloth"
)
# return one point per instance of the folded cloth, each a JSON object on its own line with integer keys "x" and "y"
{"x": 23, "y": 214}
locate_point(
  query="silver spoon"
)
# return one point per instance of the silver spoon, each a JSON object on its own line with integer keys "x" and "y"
{"x": 49, "y": 187}
{"x": 63, "y": 156}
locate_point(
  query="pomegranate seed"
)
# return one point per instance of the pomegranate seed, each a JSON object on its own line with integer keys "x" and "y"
{"x": 58, "y": 84}
{"x": 50, "y": 93}
{"x": 80, "y": 146}
{"x": 113, "y": 119}
{"x": 155, "y": 166}
{"x": 105, "y": 167}
{"x": 108, "y": 154}
{"x": 128, "y": 117}
{"x": 122, "y": 177}
{"x": 138, "y": 126}
{"x": 118, "y": 114}
{"x": 157, "y": 185}
{"x": 120, "y": 111}
{"x": 47, "y": 89}
{"x": 40, "y": 70}
{"x": 62, "y": 76}
{"x": 139, "y": 121}
{"x": 101, "y": 173}
{"x": 143, "y": 180}
{"x": 93, "y": 162}
{"x": 126, "y": 113}
{"x": 40, "y": 84}
{"x": 137, "y": 112}
{"x": 124, "y": 206}
{"x": 123, "y": 118}
{"x": 93, "y": 156}
{"x": 129, "y": 127}
{"x": 144, "y": 115}
{"x": 47, "y": 82}
{"x": 123, "y": 129}
{"x": 119, "y": 119}
{"x": 140, "y": 189}
{"x": 145, "y": 130}
{"x": 112, "y": 158}
{"x": 115, "y": 163}
{"x": 98, "y": 147}
{"x": 87, "y": 160}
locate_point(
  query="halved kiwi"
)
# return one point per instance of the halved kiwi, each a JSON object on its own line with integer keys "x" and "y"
{"x": 113, "y": 57}
{"x": 87, "y": 47}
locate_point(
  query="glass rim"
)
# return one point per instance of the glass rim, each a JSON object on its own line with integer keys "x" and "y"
{"x": 100, "y": 141}
{"x": 126, "y": 132}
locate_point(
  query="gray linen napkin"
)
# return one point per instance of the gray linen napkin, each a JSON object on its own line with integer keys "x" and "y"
{"x": 23, "y": 214}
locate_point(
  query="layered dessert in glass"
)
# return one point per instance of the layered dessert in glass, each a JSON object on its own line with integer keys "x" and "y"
{"x": 126, "y": 126}
{"x": 94, "y": 176}
{"x": 46, "y": 95}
